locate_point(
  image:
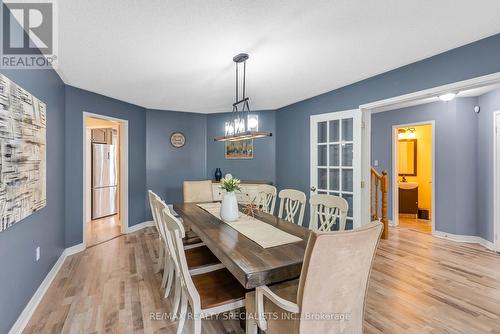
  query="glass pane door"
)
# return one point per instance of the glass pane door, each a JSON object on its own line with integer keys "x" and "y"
{"x": 335, "y": 164}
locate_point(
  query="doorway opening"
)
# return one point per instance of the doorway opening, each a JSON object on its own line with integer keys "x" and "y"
{"x": 400, "y": 112}
{"x": 104, "y": 178}
{"x": 413, "y": 161}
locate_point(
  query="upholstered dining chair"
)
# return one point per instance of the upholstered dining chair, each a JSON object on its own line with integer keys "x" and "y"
{"x": 311, "y": 304}
{"x": 207, "y": 293}
{"x": 292, "y": 202}
{"x": 198, "y": 191}
{"x": 266, "y": 198}
{"x": 327, "y": 211}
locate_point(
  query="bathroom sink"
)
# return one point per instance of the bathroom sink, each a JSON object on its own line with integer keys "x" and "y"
{"x": 407, "y": 185}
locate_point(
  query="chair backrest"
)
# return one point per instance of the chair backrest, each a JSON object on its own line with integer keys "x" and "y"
{"x": 266, "y": 198}
{"x": 198, "y": 191}
{"x": 326, "y": 211}
{"x": 175, "y": 230}
{"x": 292, "y": 202}
{"x": 152, "y": 198}
{"x": 334, "y": 278}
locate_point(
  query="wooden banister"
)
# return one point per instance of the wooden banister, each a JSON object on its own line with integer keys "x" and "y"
{"x": 379, "y": 183}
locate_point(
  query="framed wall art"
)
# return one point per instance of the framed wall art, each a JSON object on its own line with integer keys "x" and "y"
{"x": 22, "y": 153}
{"x": 242, "y": 149}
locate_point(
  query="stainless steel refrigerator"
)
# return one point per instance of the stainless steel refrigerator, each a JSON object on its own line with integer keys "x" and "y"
{"x": 104, "y": 180}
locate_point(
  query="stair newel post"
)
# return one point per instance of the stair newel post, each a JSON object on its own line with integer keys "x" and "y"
{"x": 385, "y": 190}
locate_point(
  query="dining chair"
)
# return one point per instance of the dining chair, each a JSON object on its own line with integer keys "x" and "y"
{"x": 292, "y": 202}
{"x": 208, "y": 293}
{"x": 198, "y": 191}
{"x": 327, "y": 211}
{"x": 266, "y": 198}
{"x": 152, "y": 203}
{"x": 199, "y": 259}
{"x": 329, "y": 296}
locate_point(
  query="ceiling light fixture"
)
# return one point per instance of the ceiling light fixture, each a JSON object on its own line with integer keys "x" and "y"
{"x": 447, "y": 97}
{"x": 244, "y": 125}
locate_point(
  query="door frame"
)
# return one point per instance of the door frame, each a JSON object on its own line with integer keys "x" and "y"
{"x": 357, "y": 149}
{"x": 395, "y": 174}
{"x": 123, "y": 185}
{"x": 371, "y": 107}
{"x": 496, "y": 181}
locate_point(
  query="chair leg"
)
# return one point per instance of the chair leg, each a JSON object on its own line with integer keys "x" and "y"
{"x": 197, "y": 323}
{"x": 171, "y": 276}
{"x": 177, "y": 297}
{"x": 182, "y": 312}
{"x": 161, "y": 255}
{"x": 251, "y": 327}
{"x": 166, "y": 272}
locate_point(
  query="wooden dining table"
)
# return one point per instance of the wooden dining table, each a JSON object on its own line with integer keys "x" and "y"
{"x": 251, "y": 264}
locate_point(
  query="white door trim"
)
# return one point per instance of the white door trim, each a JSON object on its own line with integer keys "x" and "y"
{"x": 368, "y": 108}
{"x": 357, "y": 158}
{"x": 496, "y": 181}
{"x": 395, "y": 174}
{"x": 123, "y": 171}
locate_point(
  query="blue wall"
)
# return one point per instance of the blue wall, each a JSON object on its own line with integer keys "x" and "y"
{"x": 78, "y": 101}
{"x": 261, "y": 167}
{"x": 292, "y": 122}
{"x": 20, "y": 275}
{"x": 489, "y": 103}
{"x": 455, "y": 147}
{"x": 167, "y": 167}
{"x": 465, "y": 167}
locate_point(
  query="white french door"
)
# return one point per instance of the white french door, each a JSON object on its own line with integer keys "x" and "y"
{"x": 336, "y": 159}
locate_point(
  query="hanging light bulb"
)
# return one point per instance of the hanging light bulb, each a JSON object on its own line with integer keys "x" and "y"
{"x": 411, "y": 134}
{"x": 401, "y": 134}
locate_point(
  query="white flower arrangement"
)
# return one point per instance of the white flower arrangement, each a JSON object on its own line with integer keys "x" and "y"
{"x": 230, "y": 184}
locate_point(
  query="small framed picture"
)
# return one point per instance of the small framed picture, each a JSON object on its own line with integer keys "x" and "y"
{"x": 177, "y": 139}
{"x": 242, "y": 149}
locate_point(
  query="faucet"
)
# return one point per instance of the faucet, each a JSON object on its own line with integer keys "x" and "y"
{"x": 403, "y": 179}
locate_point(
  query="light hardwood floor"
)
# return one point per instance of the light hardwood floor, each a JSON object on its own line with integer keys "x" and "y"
{"x": 102, "y": 229}
{"x": 420, "y": 225}
{"x": 419, "y": 284}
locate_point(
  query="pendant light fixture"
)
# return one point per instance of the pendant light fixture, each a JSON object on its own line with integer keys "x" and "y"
{"x": 244, "y": 125}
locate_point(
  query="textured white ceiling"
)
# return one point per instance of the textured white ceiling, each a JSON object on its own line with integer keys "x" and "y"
{"x": 177, "y": 54}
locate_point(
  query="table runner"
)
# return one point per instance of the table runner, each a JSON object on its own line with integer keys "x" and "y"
{"x": 263, "y": 234}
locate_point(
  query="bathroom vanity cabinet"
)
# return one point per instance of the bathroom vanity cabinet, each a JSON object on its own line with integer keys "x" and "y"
{"x": 408, "y": 201}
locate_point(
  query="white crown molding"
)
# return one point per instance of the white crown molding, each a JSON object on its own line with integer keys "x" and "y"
{"x": 465, "y": 238}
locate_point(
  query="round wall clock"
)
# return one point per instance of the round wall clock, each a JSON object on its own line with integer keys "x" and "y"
{"x": 177, "y": 139}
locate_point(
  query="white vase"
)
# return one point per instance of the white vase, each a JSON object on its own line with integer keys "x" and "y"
{"x": 229, "y": 207}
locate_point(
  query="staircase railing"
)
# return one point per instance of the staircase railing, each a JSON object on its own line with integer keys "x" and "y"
{"x": 379, "y": 187}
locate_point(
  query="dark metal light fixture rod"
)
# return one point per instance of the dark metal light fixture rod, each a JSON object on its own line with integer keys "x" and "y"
{"x": 240, "y": 101}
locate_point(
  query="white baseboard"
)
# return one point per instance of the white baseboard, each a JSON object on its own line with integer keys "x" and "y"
{"x": 140, "y": 226}
{"x": 465, "y": 238}
{"x": 74, "y": 249}
{"x": 30, "y": 308}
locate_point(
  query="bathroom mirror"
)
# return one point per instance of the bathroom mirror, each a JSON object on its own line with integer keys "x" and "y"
{"x": 407, "y": 157}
